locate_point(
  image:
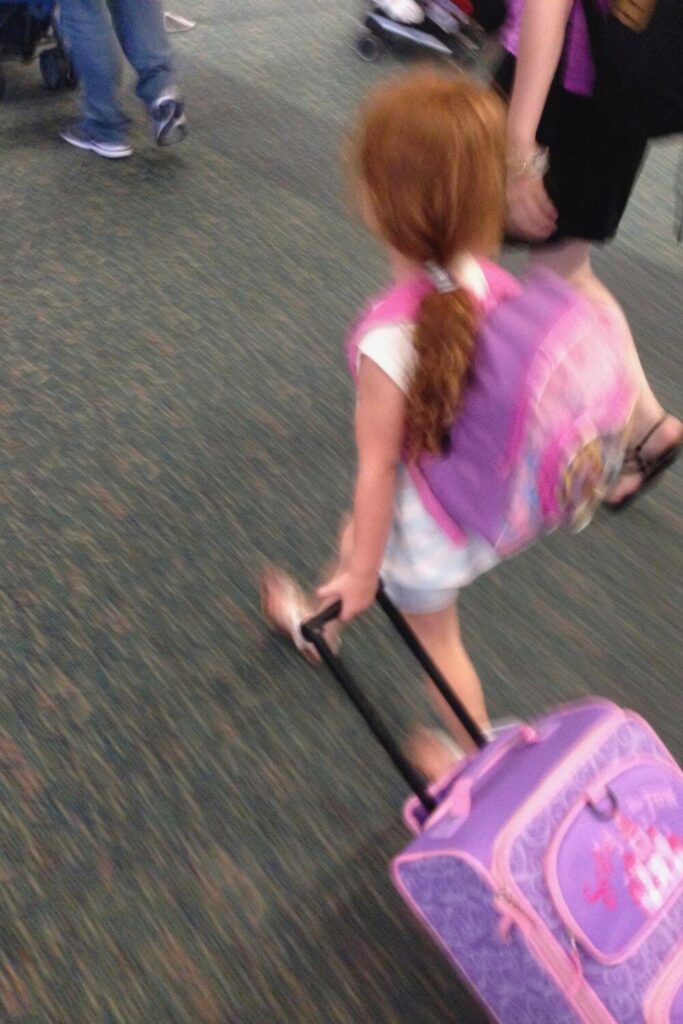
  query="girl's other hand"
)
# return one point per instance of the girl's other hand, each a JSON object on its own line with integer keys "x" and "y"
{"x": 530, "y": 212}
{"x": 356, "y": 592}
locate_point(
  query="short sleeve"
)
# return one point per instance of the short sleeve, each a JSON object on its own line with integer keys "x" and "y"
{"x": 391, "y": 348}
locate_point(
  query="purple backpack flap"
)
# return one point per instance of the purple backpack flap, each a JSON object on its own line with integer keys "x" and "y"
{"x": 541, "y": 430}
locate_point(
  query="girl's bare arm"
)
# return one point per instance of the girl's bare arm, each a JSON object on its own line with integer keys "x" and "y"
{"x": 542, "y": 33}
{"x": 380, "y": 429}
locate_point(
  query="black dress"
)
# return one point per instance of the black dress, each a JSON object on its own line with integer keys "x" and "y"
{"x": 593, "y": 167}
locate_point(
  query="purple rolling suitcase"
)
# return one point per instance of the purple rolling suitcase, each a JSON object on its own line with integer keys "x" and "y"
{"x": 549, "y": 865}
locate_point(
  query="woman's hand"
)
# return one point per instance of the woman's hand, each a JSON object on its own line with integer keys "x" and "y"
{"x": 530, "y": 213}
{"x": 355, "y": 591}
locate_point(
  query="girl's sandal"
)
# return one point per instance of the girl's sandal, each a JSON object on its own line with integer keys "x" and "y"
{"x": 285, "y": 606}
{"x": 649, "y": 470}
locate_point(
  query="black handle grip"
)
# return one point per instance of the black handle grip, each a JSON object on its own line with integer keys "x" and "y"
{"x": 315, "y": 624}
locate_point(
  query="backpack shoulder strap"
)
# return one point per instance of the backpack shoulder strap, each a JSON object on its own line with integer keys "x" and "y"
{"x": 396, "y": 305}
{"x": 501, "y": 285}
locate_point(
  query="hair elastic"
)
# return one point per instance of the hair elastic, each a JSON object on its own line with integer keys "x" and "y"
{"x": 440, "y": 278}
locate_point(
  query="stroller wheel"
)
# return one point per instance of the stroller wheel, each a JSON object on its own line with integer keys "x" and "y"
{"x": 467, "y": 52}
{"x": 54, "y": 69}
{"x": 368, "y": 47}
{"x": 472, "y": 41}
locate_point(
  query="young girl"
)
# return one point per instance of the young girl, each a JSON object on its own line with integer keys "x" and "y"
{"x": 430, "y": 163}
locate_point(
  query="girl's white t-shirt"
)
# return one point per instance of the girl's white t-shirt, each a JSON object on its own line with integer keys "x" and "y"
{"x": 420, "y": 556}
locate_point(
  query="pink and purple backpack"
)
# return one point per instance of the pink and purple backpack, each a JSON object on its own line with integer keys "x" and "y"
{"x": 541, "y": 429}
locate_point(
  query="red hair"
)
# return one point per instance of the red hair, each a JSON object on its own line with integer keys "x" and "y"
{"x": 430, "y": 155}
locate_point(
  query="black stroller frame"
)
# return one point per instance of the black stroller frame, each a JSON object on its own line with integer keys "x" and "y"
{"x": 33, "y": 36}
{"x": 445, "y": 32}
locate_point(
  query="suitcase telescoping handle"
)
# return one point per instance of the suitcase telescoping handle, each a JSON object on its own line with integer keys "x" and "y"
{"x": 312, "y": 631}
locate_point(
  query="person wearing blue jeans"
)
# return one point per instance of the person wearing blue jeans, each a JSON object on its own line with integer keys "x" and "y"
{"x": 91, "y": 29}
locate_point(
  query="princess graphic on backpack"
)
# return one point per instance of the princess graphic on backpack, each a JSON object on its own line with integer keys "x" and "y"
{"x": 489, "y": 412}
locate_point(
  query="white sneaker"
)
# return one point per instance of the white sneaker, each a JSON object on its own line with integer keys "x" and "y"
{"x": 77, "y": 135}
{"x": 168, "y": 120}
{"x": 407, "y": 12}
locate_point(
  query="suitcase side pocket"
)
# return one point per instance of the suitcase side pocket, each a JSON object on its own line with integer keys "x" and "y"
{"x": 615, "y": 865}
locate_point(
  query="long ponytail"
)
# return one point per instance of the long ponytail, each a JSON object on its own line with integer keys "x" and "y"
{"x": 444, "y": 344}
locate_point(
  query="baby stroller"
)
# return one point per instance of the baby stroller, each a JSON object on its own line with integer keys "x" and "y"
{"x": 29, "y": 27}
{"x": 448, "y": 29}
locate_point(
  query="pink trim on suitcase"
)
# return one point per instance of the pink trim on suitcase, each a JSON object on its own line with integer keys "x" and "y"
{"x": 458, "y": 803}
{"x": 597, "y": 790}
{"x": 664, "y": 990}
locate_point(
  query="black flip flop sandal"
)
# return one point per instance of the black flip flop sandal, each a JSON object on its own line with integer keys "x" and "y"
{"x": 649, "y": 469}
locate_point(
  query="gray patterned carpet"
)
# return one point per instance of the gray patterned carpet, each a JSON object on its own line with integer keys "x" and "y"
{"x": 194, "y": 828}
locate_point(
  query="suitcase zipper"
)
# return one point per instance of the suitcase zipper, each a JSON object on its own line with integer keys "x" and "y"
{"x": 506, "y": 896}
